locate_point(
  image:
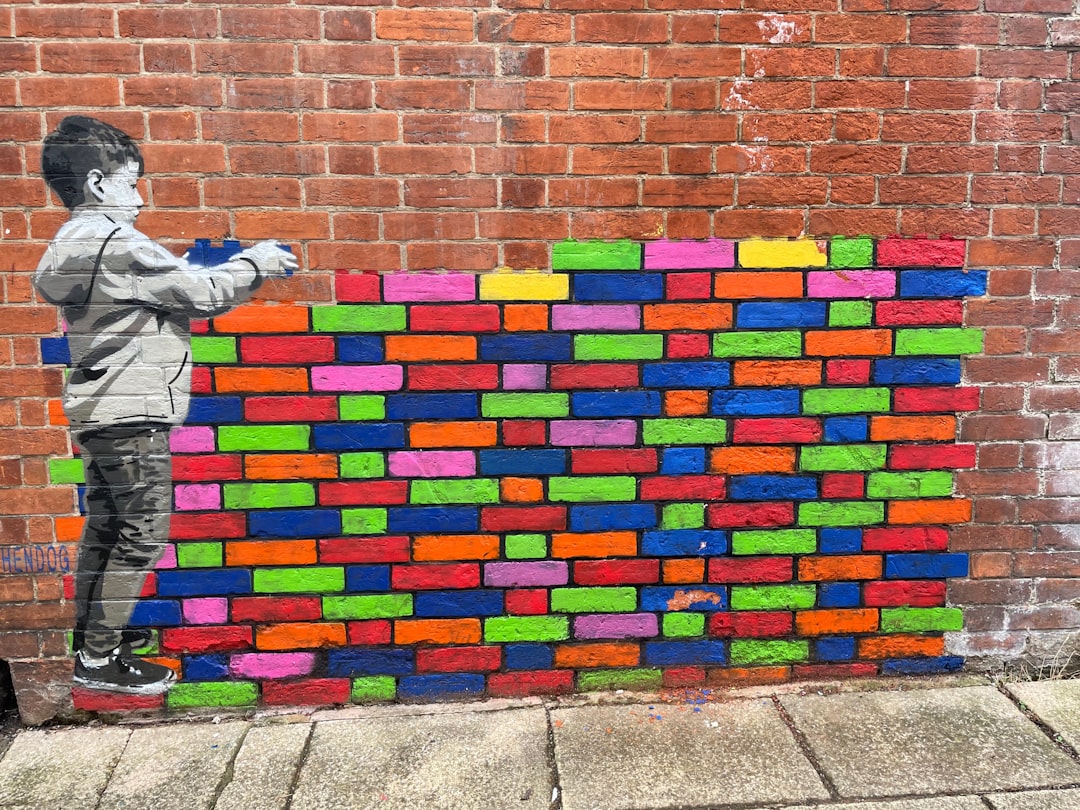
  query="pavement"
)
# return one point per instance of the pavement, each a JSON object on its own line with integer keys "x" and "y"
{"x": 959, "y": 743}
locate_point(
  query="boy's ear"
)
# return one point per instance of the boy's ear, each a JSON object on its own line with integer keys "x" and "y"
{"x": 94, "y": 177}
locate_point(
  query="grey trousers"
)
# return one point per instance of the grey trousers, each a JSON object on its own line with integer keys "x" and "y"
{"x": 128, "y": 504}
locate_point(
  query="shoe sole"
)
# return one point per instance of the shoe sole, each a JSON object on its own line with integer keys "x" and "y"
{"x": 146, "y": 690}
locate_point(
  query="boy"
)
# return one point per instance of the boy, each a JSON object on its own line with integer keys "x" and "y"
{"x": 126, "y": 304}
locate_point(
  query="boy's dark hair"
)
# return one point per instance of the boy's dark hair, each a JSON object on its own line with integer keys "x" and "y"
{"x": 78, "y": 146}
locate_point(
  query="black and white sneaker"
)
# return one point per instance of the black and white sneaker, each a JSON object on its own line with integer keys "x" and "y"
{"x": 123, "y": 673}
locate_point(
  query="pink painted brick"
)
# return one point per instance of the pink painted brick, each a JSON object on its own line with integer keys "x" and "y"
{"x": 623, "y": 625}
{"x": 851, "y": 284}
{"x": 357, "y": 378}
{"x": 271, "y": 665}
{"x": 595, "y": 317}
{"x": 168, "y": 559}
{"x": 526, "y": 574}
{"x": 674, "y": 255}
{"x": 197, "y": 496}
{"x": 429, "y": 287}
{"x": 593, "y": 432}
{"x": 524, "y": 377}
{"x": 432, "y": 463}
{"x": 209, "y": 610}
{"x": 191, "y": 440}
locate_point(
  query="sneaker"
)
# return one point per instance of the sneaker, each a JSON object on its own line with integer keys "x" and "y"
{"x": 130, "y": 640}
{"x": 124, "y": 673}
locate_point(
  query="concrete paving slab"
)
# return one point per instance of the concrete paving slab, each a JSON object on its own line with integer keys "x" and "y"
{"x": 479, "y": 761}
{"x": 1039, "y": 800}
{"x": 63, "y": 769}
{"x": 970, "y": 740}
{"x": 1056, "y": 703}
{"x": 935, "y": 803}
{"x": 640, "y": 756}
{"x": 173, "y": 767}
{"x": 265, "y": 767}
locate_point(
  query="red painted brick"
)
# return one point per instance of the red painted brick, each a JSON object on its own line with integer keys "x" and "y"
{"x": 300, "y": 409}
{"x": 454, "y": 318}
{"x": 364, "y": 550}
{"x": 206, "y": 468}
{"x": 913, "y": 538}
{"x": 526, "y": 602}
{"x": 377, "y": 631}
{"x": 275, "y": 608}
{"x": 292, "y": 349}
{"x": 931, "y": 399}
{"x": 536, "y": 682}
{"x": 363, "y": 493}
{"x": 307, "y": 692}
{"x": 434, "y": 576}
{"x": 456, "y": 377}
{"x": 751, "y": 569}
{"x": 914, "y": 593}
{"x": 931, "y": 456}
{"x": 215, "y": 526}
{"x": 611, "y": 462}
{"x": 206, "y": 639}
{"x": 777, "y": 430}
{"x": 750, "y": 624}
{"x": 594, "y": 375}
{"x": 458, "y": 659}
{"x": 683, "y": 488}
{"x": 616, "y": 572}
{"x": 523, "y": 518}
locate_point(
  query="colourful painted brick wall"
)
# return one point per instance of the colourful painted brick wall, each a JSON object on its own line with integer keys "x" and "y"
{"x": 661, "y": 464}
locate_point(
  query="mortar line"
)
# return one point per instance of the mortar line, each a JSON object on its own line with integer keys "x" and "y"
{"x": 804, "y": 747}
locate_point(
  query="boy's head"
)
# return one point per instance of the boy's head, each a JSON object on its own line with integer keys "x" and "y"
{"x": 82, "y": 153}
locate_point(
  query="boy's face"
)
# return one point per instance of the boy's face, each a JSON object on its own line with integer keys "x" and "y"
{"x": 116, "y": 194}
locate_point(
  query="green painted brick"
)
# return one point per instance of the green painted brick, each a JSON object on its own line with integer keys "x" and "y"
{"x": 593, "y": 488}
{"x": 933, "y": 484}
{"x": 858, "y": 252}
{"x": 526, "y": 546}
{"x": 683, "y": 516}
{"x": 454, "y": 490}
{"x": 633, "y": 679}
{"x": 512, "y": 406}
{"x": 944, "y": 340}
{"x": 593, "y": 600}
{"x": 526, "y": 628}
{"x": 199, "y": 555}
{"x": 921, "y": 620}
{"x": 264, "y": 437}
{"x": 66, "y": 471}
{"x": 362, "y": 406}
{"x": 373, "y": 688}
{"x": 846, "y": 400}
{"x": 779, "y": 541}
{"x": 841, "y": 513}
{"x": 365, "y": 606}
{"x": 189, "y": 694}
{"x": 757, "y": 344}
{"x": 843, "y": 457}
{"x": 683, "y": 431}
{"x": 746, "y": 652}
{"x": 363, "y": 465}
{"x": 213, "y": 349}
{"x": 618, "y": 347}
{"x": 773, "y": 597}
{"x": 851, "y": 313}
{"x": 596, "y": 255}
{"x": 364, "y": 520}
{"x": 311, "y": 579}
{"x": 681, "y": 625}
{"x": 358, "y": 318}
{"x": 268, "y": 496}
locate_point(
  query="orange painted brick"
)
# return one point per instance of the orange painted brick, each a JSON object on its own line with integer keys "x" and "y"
{"x": 525, "y": 317}
{"x": 684, "y": 572}
{"x": 839, "y": 568}
{"x": 428, "y": 547}
{"x": 69, "y": 529}
{"x": 430, "y": 347}
{"x": 453, "y": 434}
{"x": 835, "y": 622}
{"x": 437, "y": 631}
{"x": 778, "y": 372}
{"x": 594, "y": 544}
{"x": 747, "y": 676}
{"x": 521, "y": 490}
{"x": 686, "y": 403}
{"x": 56, "y": 413}
{"x": 703, "y": 317}
{"x": 744, "y": 460}
{"x": 263, "y": 318}
{"x": 759, "y": 285}
{"x": 930, "y": 511}
{"x": 290, "y": 466}
{"x": 912, "y": 428}
{"x": 849, "y": 342}
{"x": 299, "y": 636}
{"x": 271, "y": 552}
{"x": 252, "y": 380}
{"x": 604, "y": 654}
{"x": 901, "y": 646}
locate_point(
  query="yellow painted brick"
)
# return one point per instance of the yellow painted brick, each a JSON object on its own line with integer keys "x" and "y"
{"x": 524, "y": 287}
{"x": 782, "y": 253}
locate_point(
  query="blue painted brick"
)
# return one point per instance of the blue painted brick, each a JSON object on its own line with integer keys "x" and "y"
{"x": 222, "y": 582}
{"x": 432, "y": 519}
{"x": 771, "y": 487}
{"x": 367, "y": 578}
{"x": 840, "y": 541}
{"x": 756, "y": 402}
{"x": 534, "y": 348}
{"x": 523, "y": 462}
{"x": 528, "y": 656}
{"x": 922, "y": 666}
{"x": 212, "y": 410}
{"x": 347, "y": 663}
{"x": 684, "y": 543}
{"x": 616, "y": 403}
{"x": 836, "y": 648}
{"x": 156, "y": 613}
{"x": 294, "y": 522}
{"x": 711, "y": 597}
{"x": 942, "y": 283}
{"x": 925, "y": 566}
{"x": 205, "y": 253}
{"x": 212, "y": 667}
{"x": 368, "y": 436}
{"x": 603, "y": 518}
{"x": 839, "y": 594}
{"x": 458, "y": 604}
{"x": 917, "y": 371}
{"x": 847, "y": 429}
{"x": 434, "y": 686}
{"x": 55, "y": 350}
{"x": 431, "y": 406}
{"x": 360, "y": 349}
{"x": 682, "y": 460}
{"x": 685, "y": 653}
{"x": 704, "y": 374}
{"x": 618, "y": 286}
{"x": 761, "y": 315}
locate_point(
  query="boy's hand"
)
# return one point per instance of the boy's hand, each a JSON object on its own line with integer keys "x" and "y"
{"x": 272, "y": 259}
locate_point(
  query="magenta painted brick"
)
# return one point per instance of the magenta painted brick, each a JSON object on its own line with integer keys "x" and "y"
{"x": 851, "y": 284}
{"x": 524, "y": 377}
{"x": 673, "y": 255}
{"x": 168, "y": 559}
{"x": 593, "y": 432}
{"x": 630, "y": 625}
{"x": 526, "y": 574}
{"x": 356, "y": 378}
{"x": 595, "y": 317}
{"x": 432, "y": 463}
{"x": 197, "y": 496}
{"x": 429, "y": 287}
{"x": 921, "y": 252}
{"x": 210, "y": 610}
{"x": 271, "y": 665}
{"x": 191, "y": 440}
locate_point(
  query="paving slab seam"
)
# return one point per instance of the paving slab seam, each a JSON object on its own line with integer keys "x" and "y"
{"x": 229, "y": 772}
{"x": 111, "y": 772}
{"x": 804, "y": 748}
{"x": 1042, "y": 725}
{"x": 300, "y": 765}
{"x": 553, "y": 762}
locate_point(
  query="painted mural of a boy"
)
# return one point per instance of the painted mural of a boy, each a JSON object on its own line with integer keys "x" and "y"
{"x": 126, "y": 302}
